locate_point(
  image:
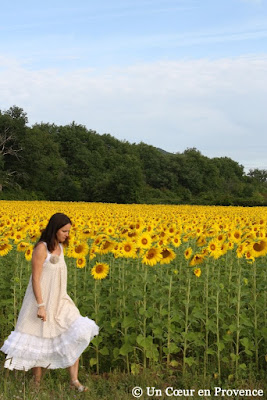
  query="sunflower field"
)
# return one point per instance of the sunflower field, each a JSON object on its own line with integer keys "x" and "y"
{"x": 179, "y": 286}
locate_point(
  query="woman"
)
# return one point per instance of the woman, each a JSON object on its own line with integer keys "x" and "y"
{"x": 50, "y": 332}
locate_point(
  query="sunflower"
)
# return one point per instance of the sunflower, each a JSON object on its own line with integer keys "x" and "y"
{"x": 128, "y": 249}
{"x": 197, "y": 272}
{"x": 116, "y": 250}
{"x": 92, "y": 253}
{"x": 22, "y": 246}
{"x": 224, "y": 248}
{"x": 237, "y": 235}
{"x": 5, "y": 248}
{"x": 106, "y": 247}
{"x": 249, "y": 256}
{"x": 99, "y": 239}
{"x": 171, "y": 230}
{"x": 110, "y": 230}
{"x": 81, "y": 262}
{"x": 215, "y": 248}
{"x": 28, "y": 253}
{"x": 198, "y": 258}
{"x": 187, "y": 253}
{"x": 18, "y": 237}
{"x": 81, "y": 249}
{"x": 100, "y": 270}
{"x": 176, "y": 240}
{"x": 221, "y": 237}
{"x": 240, "y": 251}
{"x": 34, "y": 234}
{"x": 259, "y": 249}
{"x": 152, "y": 256}
{"x": 163, "y": 238}
{"x": 86, "y": 233}
{"x": 144, "y": 240}
{"x": 201, "y": 241}
{"x": 167, "y": 255}
{"x": 230, "y": 245}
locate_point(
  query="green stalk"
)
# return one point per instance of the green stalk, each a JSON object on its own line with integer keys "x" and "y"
{"x": 145, "y": 318}
{"x": 96, "y": 320}
{"x": 124, "y": 309}
{"x": 75, "y": 284}
{"x": 229, "y": 282}
{"x": 14, "y": 290}
{"x": 186, "y": 320}
{"x": 160, "y": 313}
{"x": 238, "y": 307}
{"x": 206, "y": 296}
{"x": 218, "y": 326}
{"x": 255, "y": 315}
{"x": 169, "y": 321}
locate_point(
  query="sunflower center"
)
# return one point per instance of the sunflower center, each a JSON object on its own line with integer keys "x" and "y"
{"x": 99, "y": 269}
{"x": 151, "y": 254}
{"x": 106, "y": 245}
{"x": 79, "y": 249}
{"x": 144, "y": 241}
{"x": 165, "y": 253}
{"x": 127, "y": 248}
{"x": 259, "y": 246}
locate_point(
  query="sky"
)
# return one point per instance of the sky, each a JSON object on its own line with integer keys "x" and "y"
{"x": 174, "y": 74}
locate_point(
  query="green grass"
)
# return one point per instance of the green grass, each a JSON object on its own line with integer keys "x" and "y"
{"x": 114, "y": 386}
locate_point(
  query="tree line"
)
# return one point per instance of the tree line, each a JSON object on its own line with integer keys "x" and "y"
{"x": 72, "y": 163}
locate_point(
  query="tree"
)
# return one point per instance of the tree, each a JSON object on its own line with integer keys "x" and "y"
{"x": 259, "y": 175}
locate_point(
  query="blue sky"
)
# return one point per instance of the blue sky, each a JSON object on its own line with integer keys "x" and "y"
{"x": 171, "y": 73}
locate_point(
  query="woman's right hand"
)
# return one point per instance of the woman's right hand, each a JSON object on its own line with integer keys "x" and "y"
{"x": 41, "y": 313}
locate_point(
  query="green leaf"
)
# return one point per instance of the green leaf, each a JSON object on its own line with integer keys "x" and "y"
{"x": 135, "y": 368}
{"x": 114, "y": 322}
{"x": 104, "y": 351}
{"x": 189, "y": 361}
{"x": 210, "y": 351}
{"x": 163, "y": 312}
{"x": 221, "y": 346}
{"x": 172, "y": 349}
{"x": 116, "y": 352}
{"x": 97, "y": 340}
{"x": 174, "y": 363}
{"x": 264, "y": 333}
{"x": 158, "y": 332}
{"x": 93, "y": 361}
{"x": 129, "y": 322}
{"x": 126, "y": 349}
{"x": 234, "y": 357}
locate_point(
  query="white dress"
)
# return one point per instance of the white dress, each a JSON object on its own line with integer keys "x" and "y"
{"x": 60, "y": 340}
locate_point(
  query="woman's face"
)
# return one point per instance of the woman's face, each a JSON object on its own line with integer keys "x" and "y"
{"x": 63, "y": 233}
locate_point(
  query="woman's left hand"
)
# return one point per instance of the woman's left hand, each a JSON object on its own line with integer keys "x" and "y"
{"x": 41, "y": 313}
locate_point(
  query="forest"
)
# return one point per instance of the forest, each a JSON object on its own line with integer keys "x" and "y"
{"x": 73, "y": 163}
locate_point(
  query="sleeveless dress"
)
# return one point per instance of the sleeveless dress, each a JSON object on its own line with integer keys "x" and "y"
{"x": 60, "y": 340}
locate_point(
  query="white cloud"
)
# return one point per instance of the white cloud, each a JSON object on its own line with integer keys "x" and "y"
{"x": 217, "y": 106}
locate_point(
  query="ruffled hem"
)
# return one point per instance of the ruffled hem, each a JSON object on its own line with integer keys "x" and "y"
{"x": 26, "y": 351}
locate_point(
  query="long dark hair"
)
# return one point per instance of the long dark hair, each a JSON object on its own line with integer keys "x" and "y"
{"x": 49, "y": 233}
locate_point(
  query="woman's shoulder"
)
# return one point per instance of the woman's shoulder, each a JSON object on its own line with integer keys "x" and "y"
{"x": 40, "y": 248}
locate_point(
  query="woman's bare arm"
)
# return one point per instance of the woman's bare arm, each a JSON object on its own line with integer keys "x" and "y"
{"x": 38, "y": 258}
